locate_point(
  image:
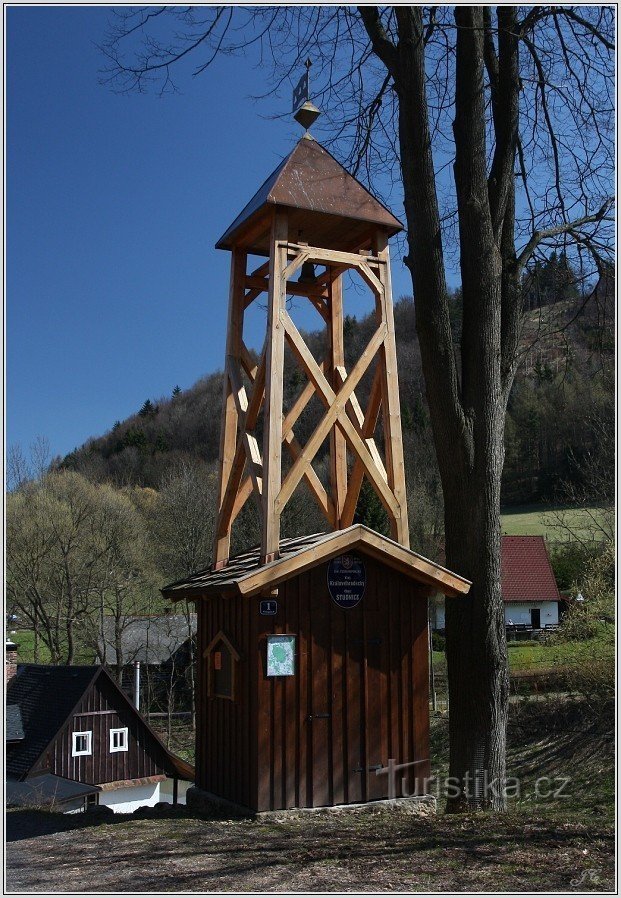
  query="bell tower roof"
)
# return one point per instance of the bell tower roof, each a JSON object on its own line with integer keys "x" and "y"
{"x": 327, "y": 206}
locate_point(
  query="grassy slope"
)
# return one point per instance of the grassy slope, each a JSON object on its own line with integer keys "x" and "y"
{"x": 537, "y": 520}
{"x": 25, "y": 643}
{"x": 556, "y": 738}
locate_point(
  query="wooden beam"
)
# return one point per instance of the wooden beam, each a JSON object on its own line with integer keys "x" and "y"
{"x": 409, "y": 563}
{"x": 359, "y": 447}
{"x": 393, "y": 438}
{"x": 275, "y": 357}
{"x": 357, "y": 419}
{"x": 335, "y": 404}
{"x": 317, "y": 489}
{"x": 338, "y": 445}
{"x": 330, "y": 274}
{"x": 368, "y": 429}
{"x": 300, "y": 404}
{"x": 236, "y": 496}
{"x": 262, "y": 270}
{"x": 329, "y": 256}
{"x": 244, "y": 491}
{"x": 298, "y": 260}
{"x": 228, "y": 432}
{"x": 294, "y": 288}
{"x": 251, "y": 446}
{"x": 248, "y": 363}
{"x": 374, "y": 283}
{"x": 227, "y": 509}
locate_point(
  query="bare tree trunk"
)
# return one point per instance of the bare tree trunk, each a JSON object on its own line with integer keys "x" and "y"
{"x": 467, "y": 408}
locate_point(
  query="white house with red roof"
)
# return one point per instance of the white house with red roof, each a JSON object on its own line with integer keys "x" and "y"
{"x": 529, "y": 588}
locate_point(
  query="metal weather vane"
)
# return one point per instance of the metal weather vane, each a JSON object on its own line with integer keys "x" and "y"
{"x": 304, "y": 111}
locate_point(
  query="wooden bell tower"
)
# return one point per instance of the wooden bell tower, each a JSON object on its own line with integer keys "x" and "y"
{"x": 310, "y": 213}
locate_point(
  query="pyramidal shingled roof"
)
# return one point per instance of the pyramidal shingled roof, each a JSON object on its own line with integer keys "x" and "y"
{"x": 311, "y": 179}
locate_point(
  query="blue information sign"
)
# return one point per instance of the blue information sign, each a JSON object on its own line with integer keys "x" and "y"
{"x": 346, "y": 580}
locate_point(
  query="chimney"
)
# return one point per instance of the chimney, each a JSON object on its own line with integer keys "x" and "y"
{"x": 10, "y": 659}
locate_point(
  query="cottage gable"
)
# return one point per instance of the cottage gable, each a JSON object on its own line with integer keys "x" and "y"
{"x": 57, "y": 703}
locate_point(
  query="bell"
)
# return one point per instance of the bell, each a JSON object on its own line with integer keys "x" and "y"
{"x": 307, "y": 274}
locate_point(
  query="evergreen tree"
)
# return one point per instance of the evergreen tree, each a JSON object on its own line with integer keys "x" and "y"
{"x": 370, "y": 511}
{"x": 147, "y": 410}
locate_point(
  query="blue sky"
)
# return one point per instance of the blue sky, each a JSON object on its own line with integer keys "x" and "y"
{"x": 115, "y": 292}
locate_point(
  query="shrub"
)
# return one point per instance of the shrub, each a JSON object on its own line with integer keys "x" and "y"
{"x": 591, "y": 664}
{"x": 569, "y": 562}
{"x": 584, "y": 619}
{"x": 438, "y": 642}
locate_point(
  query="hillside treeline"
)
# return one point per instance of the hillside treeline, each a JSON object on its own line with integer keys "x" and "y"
{"x": 563, "y": 391}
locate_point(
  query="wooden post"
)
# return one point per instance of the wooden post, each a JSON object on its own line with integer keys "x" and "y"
{"x": 338, "y": 445}
{"x": 274, "y": 363}
{"x": 228, "y": 432}
{"x": 391, "y": 413}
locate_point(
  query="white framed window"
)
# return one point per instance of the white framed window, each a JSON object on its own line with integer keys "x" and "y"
{"x": 82, "y": 743}
{"x": 118, "y": 739}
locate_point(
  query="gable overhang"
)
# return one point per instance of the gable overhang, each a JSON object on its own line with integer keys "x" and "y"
{"x": 417, "y": 568}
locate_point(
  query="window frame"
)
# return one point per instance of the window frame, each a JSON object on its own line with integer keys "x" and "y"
{"x": 88, "y": 734}
{"x": 221, "y": 639}
{"x": 113, "y": 732}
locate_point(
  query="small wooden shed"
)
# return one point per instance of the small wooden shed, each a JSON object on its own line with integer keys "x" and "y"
{"x": 316, "y": 697}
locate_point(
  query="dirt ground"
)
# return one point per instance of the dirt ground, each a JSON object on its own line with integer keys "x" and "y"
{"x": 563, "y": 844}
{"x": 174, "y": 850}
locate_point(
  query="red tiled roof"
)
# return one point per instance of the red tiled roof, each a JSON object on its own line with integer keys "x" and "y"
{"x": 526, "y": 572}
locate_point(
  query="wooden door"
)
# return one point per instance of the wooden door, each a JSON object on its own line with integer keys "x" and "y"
{"x": 346, "y": 717}
{"x": 535, "y": 618}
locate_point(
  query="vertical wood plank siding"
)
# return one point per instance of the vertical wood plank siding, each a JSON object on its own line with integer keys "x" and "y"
{"x": 359, "y": 697}
{"x": 143, "y": 758}
{"x": 224, "y": 731}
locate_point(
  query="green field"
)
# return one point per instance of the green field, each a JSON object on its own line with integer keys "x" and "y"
{"x": 544, "y": 657}
{"x": 539, "y": 520}
{"x": 25, "y": 642}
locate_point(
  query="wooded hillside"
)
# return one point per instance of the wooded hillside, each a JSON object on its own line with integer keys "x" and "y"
{"x": 564, "y": 390}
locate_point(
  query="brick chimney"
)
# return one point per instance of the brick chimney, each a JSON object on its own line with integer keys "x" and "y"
{"x": 10, "y": 659}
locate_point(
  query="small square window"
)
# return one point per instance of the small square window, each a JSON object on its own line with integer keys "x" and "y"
{"x": 82, "y": 744}
{"x": 118, "y": 739}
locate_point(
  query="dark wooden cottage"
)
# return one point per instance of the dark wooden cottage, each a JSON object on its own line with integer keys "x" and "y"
{"x": 312, "y": 652}
{"x": 82, "y": 739}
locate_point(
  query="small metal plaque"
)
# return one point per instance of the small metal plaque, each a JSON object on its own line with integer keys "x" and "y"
{"x": 346, "y": 580}
{"x": 268, "y": 606}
